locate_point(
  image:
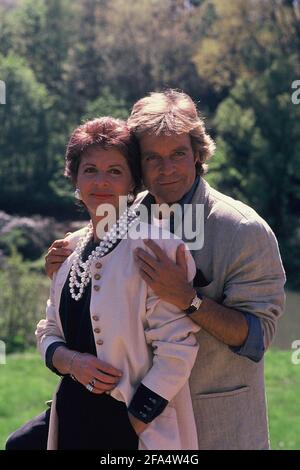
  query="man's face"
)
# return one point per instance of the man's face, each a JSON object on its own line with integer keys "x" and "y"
{"x": 168, "y": 166}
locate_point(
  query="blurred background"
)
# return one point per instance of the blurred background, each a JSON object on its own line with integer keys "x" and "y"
{"x": 64, "y": 61}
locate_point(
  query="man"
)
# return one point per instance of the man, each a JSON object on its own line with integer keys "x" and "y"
{"x": 239, "y": 281}
{"x": 238, "y": 292}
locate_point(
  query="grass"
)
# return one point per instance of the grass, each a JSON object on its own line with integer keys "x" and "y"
{"x": 283, "y": 387}
{"x": 25, "y": 385}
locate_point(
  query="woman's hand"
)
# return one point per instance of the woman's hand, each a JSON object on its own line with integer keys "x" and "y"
{"x": 87, "y": 368}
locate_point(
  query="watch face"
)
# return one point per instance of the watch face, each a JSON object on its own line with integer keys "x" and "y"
{"x": 196, "y": 302}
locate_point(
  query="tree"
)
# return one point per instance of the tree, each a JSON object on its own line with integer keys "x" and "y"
{"x": 21, "y": 312}
{"x": 86, "y": 65}
{"x": 43, "y": 39}
{"x": 258, "y": 153}
{"x": 106, "y": 105}
{"x": 42, "y": 34}
{"x": 147, "y": 45}
{"x": 244, "y": 38}
{"x": 26, "y": 163}
{"x": 7, "y": 31}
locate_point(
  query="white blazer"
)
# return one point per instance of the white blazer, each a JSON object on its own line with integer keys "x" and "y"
{"x": 150, "y": 340}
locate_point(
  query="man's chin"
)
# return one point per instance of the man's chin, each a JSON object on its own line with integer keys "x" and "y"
{"x": 167, "y": 198}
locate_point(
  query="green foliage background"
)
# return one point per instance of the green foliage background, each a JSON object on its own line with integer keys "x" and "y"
{"x": 66, "y": 61}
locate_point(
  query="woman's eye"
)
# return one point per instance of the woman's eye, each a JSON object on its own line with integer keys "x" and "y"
{"x": 90, "y": 170}
{"x": 115, "y": 171}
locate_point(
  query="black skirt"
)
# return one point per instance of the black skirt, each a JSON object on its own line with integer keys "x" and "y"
{"x": 87, "y": 421}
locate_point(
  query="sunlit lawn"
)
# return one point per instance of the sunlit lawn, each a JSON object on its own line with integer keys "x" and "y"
{"x": 25, "y": 385}
{"x": 283, "y": 393}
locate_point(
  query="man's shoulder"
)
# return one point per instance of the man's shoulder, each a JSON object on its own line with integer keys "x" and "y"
{"x": 226, "y": 209}
{"x": 222, "y": 211}
{"x": 234, "y": 219}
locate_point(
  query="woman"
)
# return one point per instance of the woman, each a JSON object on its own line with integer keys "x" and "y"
{"x": 125, "y": 356}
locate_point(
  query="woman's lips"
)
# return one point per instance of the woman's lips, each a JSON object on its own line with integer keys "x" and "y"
{"x": 101, "y": 196}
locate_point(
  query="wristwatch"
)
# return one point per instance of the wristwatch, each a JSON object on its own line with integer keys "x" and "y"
{"x": 195, "y": 304}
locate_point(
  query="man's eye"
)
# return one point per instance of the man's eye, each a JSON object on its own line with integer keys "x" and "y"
{"x": 179, "y": 154}
{"x": 150, "y": 158}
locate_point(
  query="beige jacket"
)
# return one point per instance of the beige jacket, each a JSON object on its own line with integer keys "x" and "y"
{"x": 241, "y": 263}
{"x": 151, "y": 341}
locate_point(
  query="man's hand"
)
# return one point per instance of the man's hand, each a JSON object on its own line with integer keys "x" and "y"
{"x": 167, "y": 279}
{"x": 138, "y": 425}
{"x": 56, "y": 255}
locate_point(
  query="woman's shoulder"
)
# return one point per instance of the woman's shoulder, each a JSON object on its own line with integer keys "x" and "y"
{"x": 73, "y": 237}
{"x": 165, "y": 239}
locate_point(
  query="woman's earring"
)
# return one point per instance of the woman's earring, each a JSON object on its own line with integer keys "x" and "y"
{"x": 77, "y": 194}
{"x": 130, "y": 197}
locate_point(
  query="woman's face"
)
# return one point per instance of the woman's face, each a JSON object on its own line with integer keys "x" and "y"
{"x": 103, "y": 176}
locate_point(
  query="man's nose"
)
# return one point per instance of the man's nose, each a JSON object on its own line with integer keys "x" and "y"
{"x": 167, "y": 167}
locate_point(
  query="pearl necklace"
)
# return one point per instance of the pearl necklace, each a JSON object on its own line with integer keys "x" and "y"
{"x": 80, "y": 274}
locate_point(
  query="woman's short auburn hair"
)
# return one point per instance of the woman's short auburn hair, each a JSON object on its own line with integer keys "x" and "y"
{"x": 103, "y": 132}
{"x": 172, "y": 112}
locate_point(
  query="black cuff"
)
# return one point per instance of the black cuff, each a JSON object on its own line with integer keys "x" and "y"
{"x": 199, "y": 279}
{"x": 49, "y": 356}
{"x": 146, "y": 405}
